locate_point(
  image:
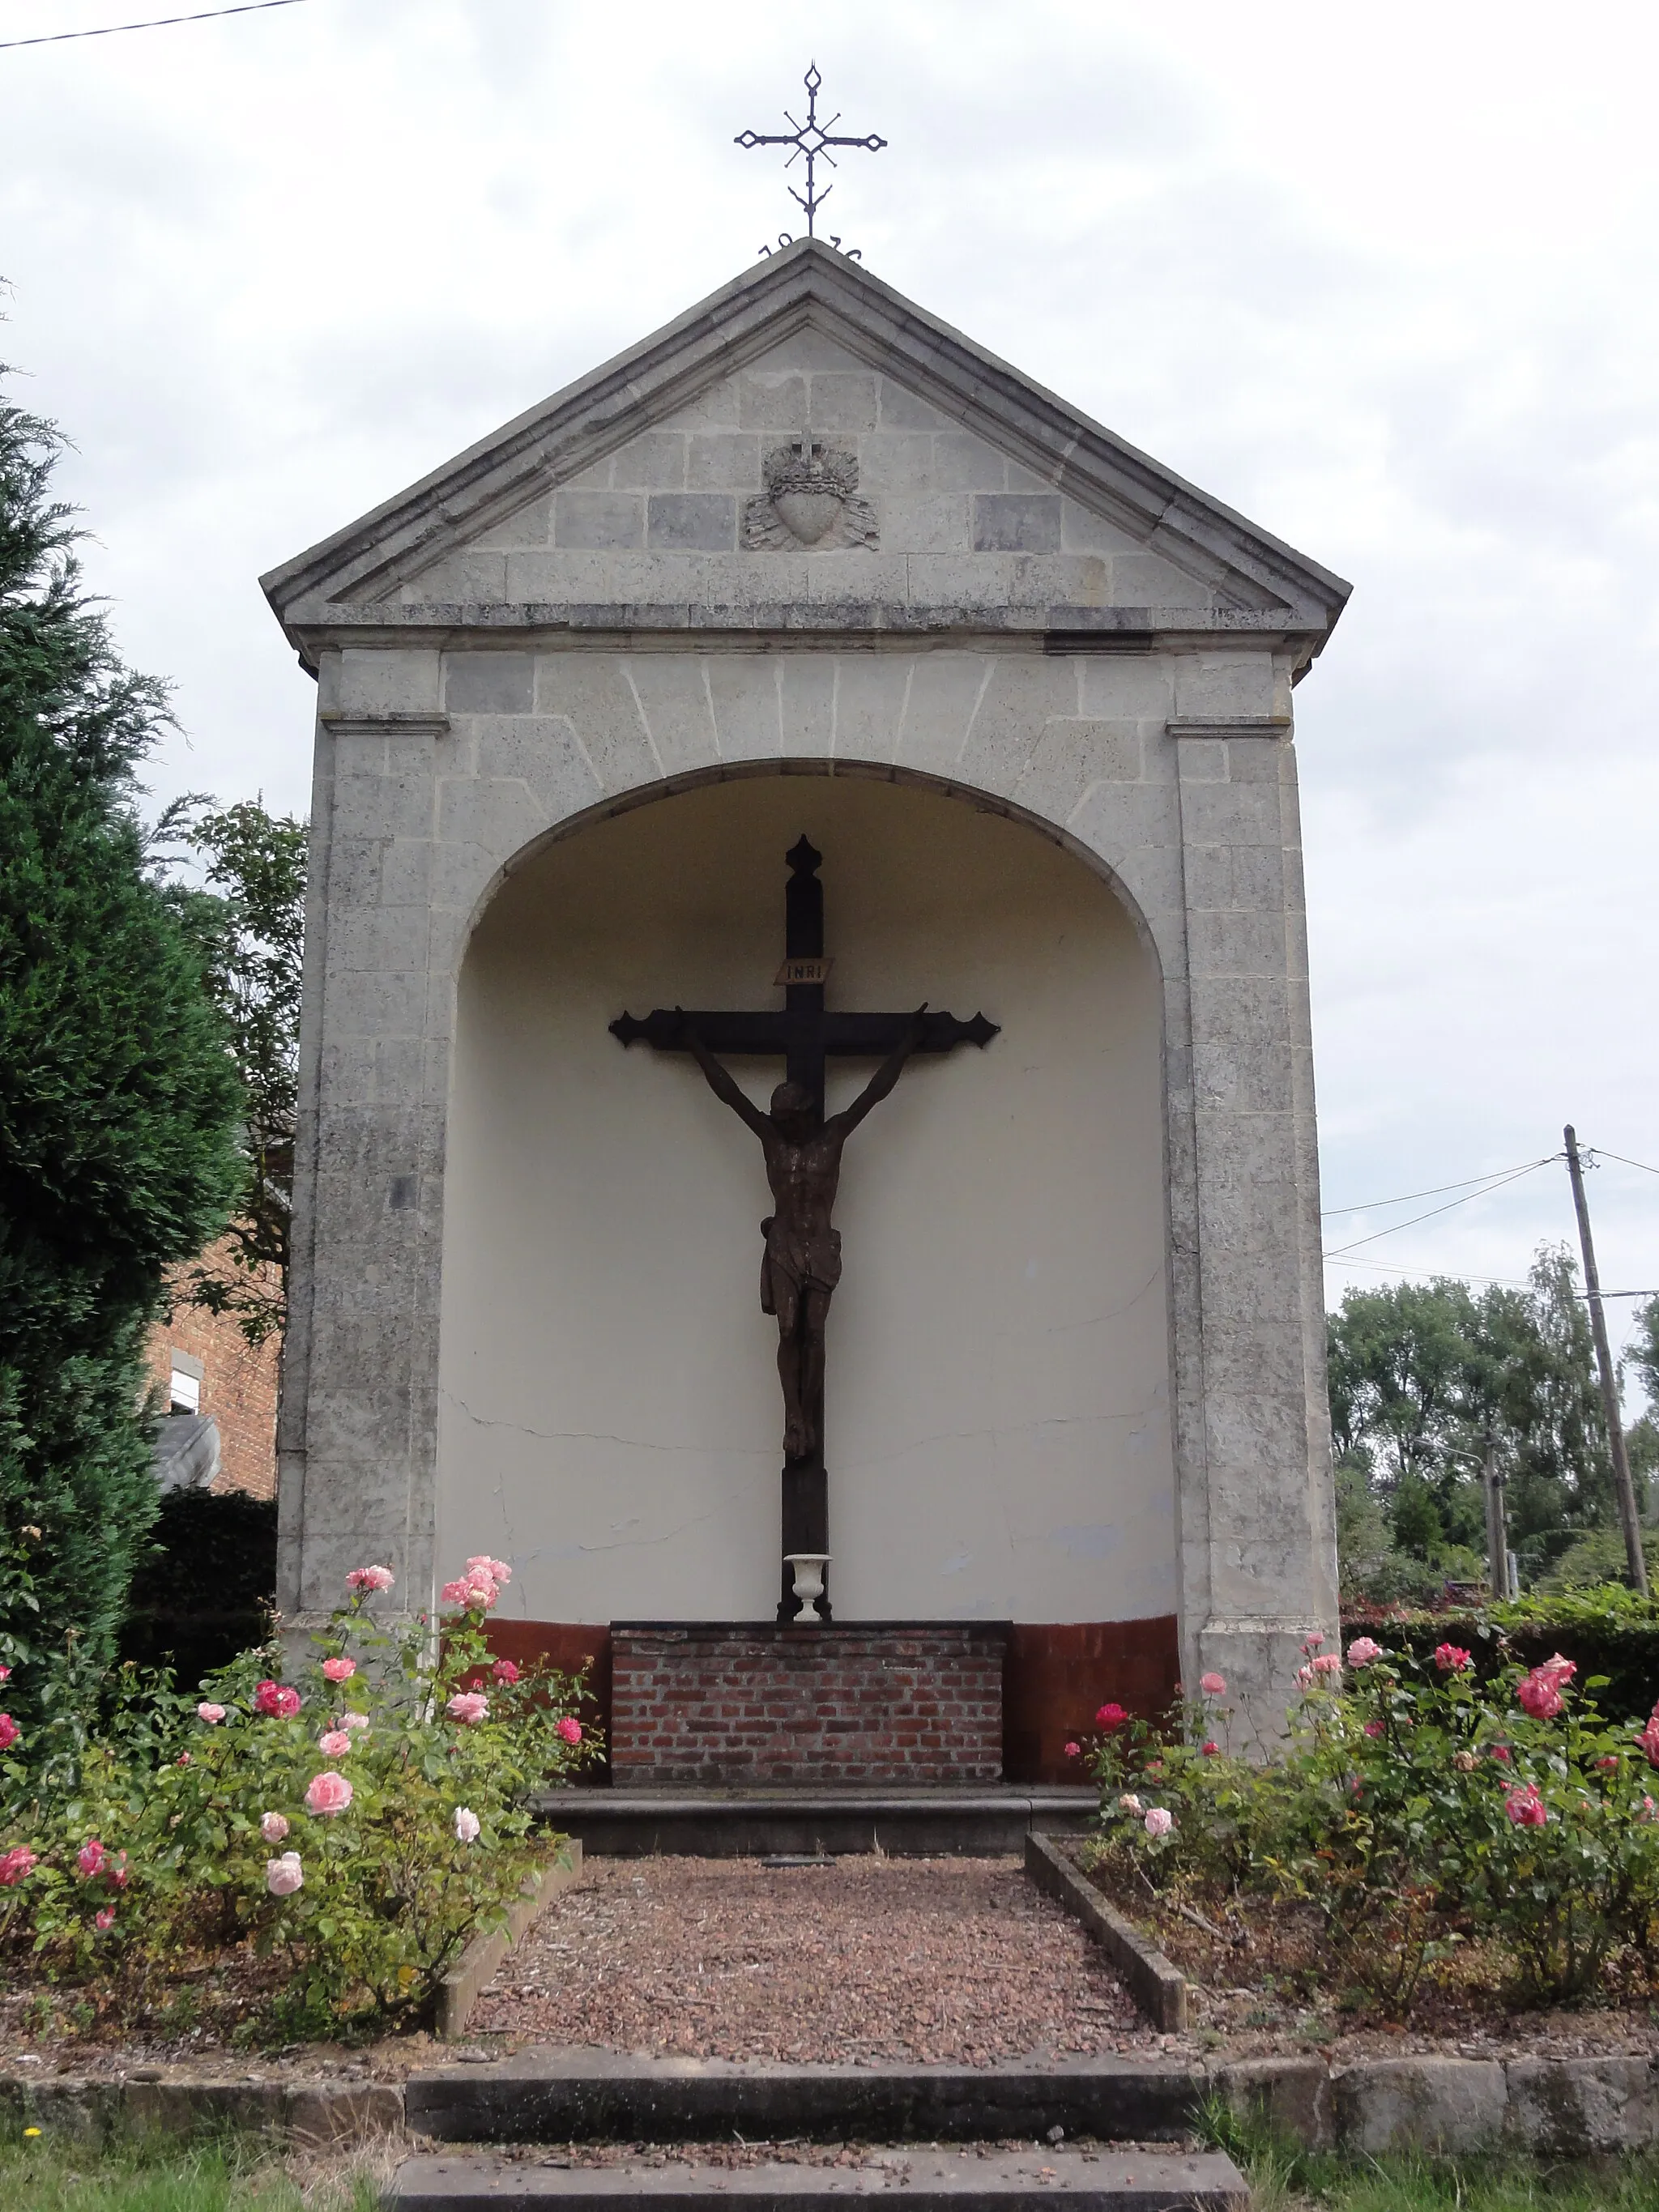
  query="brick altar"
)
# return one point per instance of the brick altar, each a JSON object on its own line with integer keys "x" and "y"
{"x": 915, "y": 1702}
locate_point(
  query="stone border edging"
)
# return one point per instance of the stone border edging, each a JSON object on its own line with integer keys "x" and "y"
{"x": 1551, "y": 2107}
{"x": 460, "y": 1990}
{"x": 1157, "y": 1986}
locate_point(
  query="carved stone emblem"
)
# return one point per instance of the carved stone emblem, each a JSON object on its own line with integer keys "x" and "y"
{"x": 810, "y": 499}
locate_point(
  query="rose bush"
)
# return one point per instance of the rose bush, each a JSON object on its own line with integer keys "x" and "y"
{"x": 364, "y": 1847}
{"x": 1413, "y": 1808}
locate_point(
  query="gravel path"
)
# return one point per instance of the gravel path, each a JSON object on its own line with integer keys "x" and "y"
{"x": 862, "y": 1961}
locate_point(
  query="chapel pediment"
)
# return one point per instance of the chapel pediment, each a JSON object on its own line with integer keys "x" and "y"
{"x": 805, "y": 448}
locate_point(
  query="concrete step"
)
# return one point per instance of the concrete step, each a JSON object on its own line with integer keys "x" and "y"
{"x": 605, "y": 2096}
{"x": 1107, "y": 2180}
{"x": 974, "y": 1823}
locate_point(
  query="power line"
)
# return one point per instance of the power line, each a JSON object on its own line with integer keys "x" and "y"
{"x": 1514, "y": 1175}
{"x": 1601, "y": 1154}
{"x": 1376, "y": 1205}
{"x": 1460, "y": 1275}
{"x": 155, "y": 23}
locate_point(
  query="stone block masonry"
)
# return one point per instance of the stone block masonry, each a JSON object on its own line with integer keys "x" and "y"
{"x": 919, "y": 1704}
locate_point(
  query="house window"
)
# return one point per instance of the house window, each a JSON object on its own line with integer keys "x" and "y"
{"x": 184, "y": 1391}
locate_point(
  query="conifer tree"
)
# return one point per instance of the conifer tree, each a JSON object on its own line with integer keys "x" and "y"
{"x": 119, "y": 1104}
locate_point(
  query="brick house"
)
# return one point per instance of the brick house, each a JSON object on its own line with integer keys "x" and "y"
{"x": 211, "y": 1373}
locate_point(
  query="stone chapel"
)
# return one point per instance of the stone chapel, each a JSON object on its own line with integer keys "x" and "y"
{"x": 809, "y": 562}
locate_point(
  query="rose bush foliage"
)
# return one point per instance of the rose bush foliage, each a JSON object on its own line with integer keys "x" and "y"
{"x": 1413, "y": 1808}
{"x": 346, "y": 1816}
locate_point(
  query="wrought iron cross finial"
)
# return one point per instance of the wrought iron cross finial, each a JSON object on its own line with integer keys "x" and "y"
{"x": 814, "y": 139}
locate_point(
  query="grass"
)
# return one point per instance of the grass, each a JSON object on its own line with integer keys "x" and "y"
{"x": 46, "y": 2173}
{"x": 1284, "y": 2178}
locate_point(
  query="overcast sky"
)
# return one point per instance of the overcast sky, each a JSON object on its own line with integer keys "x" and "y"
{"x": 1381, "y": 278}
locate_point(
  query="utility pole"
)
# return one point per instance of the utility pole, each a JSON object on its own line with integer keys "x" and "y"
{"x": 1638, "y": 1565}
{"x": 1497, "y": 1539}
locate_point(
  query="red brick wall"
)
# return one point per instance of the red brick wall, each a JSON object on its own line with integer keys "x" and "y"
{"x": 239, "y": 1390}
{"x": 856, "y": 1703}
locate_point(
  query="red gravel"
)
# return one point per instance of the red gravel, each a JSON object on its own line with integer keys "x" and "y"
{"x": 862, "y": 1960}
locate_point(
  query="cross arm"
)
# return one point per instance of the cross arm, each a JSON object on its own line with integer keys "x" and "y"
{"x": 768, "y": 1036}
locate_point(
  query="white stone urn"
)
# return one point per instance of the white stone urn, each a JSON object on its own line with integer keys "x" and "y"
{"x": 809, "y": 1568}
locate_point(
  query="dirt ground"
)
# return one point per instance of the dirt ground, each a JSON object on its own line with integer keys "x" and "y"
{"x": 864, "y": 1959}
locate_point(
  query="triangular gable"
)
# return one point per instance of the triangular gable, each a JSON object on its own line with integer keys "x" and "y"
{"x": 953, "y": 483}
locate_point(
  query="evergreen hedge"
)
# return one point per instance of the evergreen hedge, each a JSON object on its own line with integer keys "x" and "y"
{"x": 1609, "y": 1631}
{"x": 205, "y": 1590}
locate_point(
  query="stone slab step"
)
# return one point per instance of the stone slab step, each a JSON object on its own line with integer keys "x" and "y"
{"x": 973, "y": 1823}
{"x": 585, "y": 2095}
{"x": 930, "y": 2181}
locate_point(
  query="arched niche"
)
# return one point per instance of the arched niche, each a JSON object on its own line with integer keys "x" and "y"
{"x": 997, "y": 1417}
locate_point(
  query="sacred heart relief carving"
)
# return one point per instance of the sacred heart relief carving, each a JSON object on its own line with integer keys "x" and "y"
{"x": 810, "y": 499}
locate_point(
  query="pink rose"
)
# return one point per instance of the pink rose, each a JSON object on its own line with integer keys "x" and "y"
{"x": 15, "y": 1864}
{"x": 1540, "y": 1693}
{"x": 1327, "y": 1664}
{"x": 1304, "y": 1678}
{"x": 1363, "y": 1650}
{"x": 571, "y": 1730}
{"x": 466, "y": 1824}
{"x": 5, "y": 1673}
{"x": 1525, "y": 1807}
{"x": 104, "y": 1920}
{"x": 353, "y": 1720}
{"x": 210, "y": 1713}
{"x": 498, "y": 1571}
{"x": 1211, "y": 1749}
{"x": 328, "y": 1794}
{"x": 1650, "y": 1811}
{"x": 1648, "y": 1739}
{"x": 1110, "y": 1715}
{"x": 505, "y": 1671}
{"x": 1159, "y": 1823}
{"x": 10, "y": 1731}
{"x": 276, "y": 1701}
{"x": 339, "y": 1670}
{"x": 89, "y": 1859}
{"x": 468, "y": 1706}
{"x": 183, "y": 1759}
{"x": 1609, "y": 1762}
{"x": 115, "y": 1870}
{"x": 476, "y": 1592}
{"x": 369, "y": 1578}
{"x": 1373, "y": 1728}
{"x": 1074, "y": 1751}
{"x": 334, "y": 1743}
{"x": 1311, "y": 1642}
{"x": 1451, "y": 1658}
{"x": 284, "y": 1875}
{"x": 1213, "y": 1686}
{"x": 1128, "y": 1802}
{"x": 1501, "y": 1751}
{"x": 273, "y": 1828}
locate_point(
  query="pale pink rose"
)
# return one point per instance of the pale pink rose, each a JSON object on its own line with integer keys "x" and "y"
{"x": 1159, "y": 1821}
{"x": 273, "y": 1828}
{"x": 1128, "y": 1802}
{"x": 497, "y": 1569}
{"x": 1650, "y": 1811}
{"x": 334, "y": 1743}
{"x": 339, "y": 1670}
{"x": 353, "y": 1720}
{"x": 284, "y": 1875}
{"x": 370, "y": 1579}
{"x": 468, "y": 1706}
{"x": 1074, "y": 1751}
{"x": 571, "y": 1730}
{"x": 482, "y": 1589}
{"x": 210, "y": 1713}
{"x": 89, "y": 1859}
{"x": 505, "y": 1671}
{"x": 1326, "y": 1665}
{"x": 327, "y": 1794}
{"x": 1213, "y": 1686}
{"x": 104, "y": 1920}
{"x": 1304, "y": 1678}
{"x": 466, "y": 1824}
{"x": 1312, "y": 1641}
{"x": 9, "y": 1732}
{"x": 1363, "y": 1650}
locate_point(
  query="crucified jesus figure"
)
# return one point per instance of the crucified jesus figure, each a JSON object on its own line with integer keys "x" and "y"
{"x": 802, "y": 1262}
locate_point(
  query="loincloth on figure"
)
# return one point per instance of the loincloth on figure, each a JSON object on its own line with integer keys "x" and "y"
{"x": 807, "y": 1262}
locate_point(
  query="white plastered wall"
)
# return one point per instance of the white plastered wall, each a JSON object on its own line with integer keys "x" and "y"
{"x": 998, "y": 1408}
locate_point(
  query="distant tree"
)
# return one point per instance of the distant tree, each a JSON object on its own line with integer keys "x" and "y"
{"x": 119, "y": 1100}
{"x": 1420, "y": 1372}
{"x": 250, "y": 922}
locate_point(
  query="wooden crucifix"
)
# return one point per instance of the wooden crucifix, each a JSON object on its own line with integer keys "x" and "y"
{"x": 801, "y": 1264}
